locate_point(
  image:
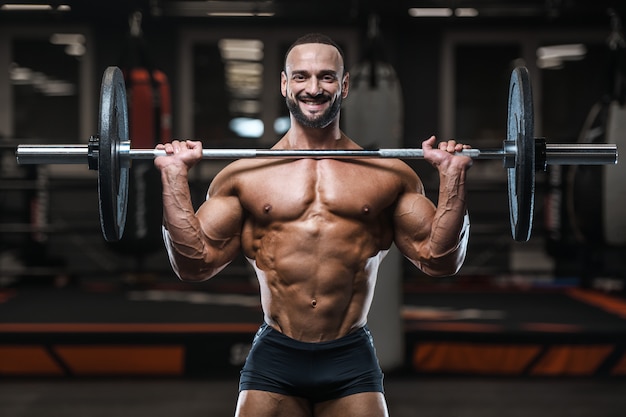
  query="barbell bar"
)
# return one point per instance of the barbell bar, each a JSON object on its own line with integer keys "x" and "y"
{"x": 110, "y": 153}
{"x": 555, "y": 154}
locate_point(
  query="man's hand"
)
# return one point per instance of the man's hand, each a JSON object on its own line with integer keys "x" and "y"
{"x": 183, "y": 154}
{"x": 443, "y": 156}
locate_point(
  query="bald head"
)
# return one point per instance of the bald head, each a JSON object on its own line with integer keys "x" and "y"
{"x": 316, "y": 38}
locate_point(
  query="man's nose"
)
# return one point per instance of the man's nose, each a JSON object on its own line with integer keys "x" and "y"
{"x": 313, "y": 86}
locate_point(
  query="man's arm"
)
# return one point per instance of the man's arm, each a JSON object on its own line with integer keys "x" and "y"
{"x": 199, "y": 244}
{"x": 435, "y": 238}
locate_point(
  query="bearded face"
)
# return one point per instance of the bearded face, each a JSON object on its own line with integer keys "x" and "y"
{"x": 314, "y": 120}
{"x": 314, "y": 84}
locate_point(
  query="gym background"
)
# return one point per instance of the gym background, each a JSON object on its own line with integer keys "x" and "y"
{"x": 548, "y": 312}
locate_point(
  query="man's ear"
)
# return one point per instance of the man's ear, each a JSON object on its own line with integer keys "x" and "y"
{"x": 345, "y": 85}
{"x": 283, "y": 83}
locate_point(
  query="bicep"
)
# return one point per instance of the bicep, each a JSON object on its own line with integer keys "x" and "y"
{"x": 413, "y": 219}
{"x": 221, "y": 219}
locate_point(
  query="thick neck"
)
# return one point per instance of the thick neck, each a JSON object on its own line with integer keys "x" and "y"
{"x": 302, "y": 137}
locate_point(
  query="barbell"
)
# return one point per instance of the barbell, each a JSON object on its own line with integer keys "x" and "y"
{"x": 110, "y": 153}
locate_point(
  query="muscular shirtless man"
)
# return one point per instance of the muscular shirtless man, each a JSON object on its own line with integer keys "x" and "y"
{"x": 315, "y": 231}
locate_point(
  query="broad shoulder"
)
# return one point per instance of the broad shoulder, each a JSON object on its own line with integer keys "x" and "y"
{"x": 226, "y": 181}
{"x": 402, "y": 172}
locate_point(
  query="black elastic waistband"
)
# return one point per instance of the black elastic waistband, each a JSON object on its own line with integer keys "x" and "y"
{"x": 273, "y": 335}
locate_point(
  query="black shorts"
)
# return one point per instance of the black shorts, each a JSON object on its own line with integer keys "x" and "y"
{"x": 315, "y": 371}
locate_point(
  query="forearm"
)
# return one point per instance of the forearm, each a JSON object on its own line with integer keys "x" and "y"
{"x": 182, "y": 234}
{"x": 187, "y": 268}
{"x": 450, "y": 227}
{"x": 446, "y": 263}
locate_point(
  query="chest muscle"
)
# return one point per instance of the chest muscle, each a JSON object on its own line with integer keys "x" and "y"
{"x": 318, "y": 188}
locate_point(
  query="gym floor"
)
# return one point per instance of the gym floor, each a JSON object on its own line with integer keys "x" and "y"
{"x": 408, "y": 394}
{"x": 406, "y": 397}
{"x": 564, "y": 324}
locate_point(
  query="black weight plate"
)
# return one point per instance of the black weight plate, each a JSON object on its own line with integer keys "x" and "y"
{"x": 113, "y": 170}
{"x": 521, "y": 176}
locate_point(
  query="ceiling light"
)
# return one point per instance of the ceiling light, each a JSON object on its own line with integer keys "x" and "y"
{"x": 430, "y": 12}
{"x": 552, "y": 57}
{"x": 247, "y": 127}
{"x": 239, "y": 14}
{"x": 241, "y": 68}
{"x": 241, "y": 49}
{"x": 20, "y": 75}
{"x": 466, "y": 12}
{"x": 67, "y": 38}
{"x": 220, "y": 8}
{"x": 249, "y": 44}
{"x": 26, "y": 7}
{"x": 567, "y": 52}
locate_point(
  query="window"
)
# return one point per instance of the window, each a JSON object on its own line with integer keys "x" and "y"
{"x": 48, "y": 95}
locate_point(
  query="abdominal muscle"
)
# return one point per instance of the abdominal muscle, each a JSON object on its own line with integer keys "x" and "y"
{"x": 315, "y": 287}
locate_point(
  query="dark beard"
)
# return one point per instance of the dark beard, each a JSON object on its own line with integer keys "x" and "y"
{"x": 319, "y": 122}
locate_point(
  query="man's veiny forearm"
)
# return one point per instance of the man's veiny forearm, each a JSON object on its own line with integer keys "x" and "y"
{"x": 181, "y": 229}
{"x": 188, "y": 268}
{"x": 449, "y": 262}
{"x": 450, "y": 227}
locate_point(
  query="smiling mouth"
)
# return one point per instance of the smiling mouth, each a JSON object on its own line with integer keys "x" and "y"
{"x": 313, "y": 102}
{"x": 318, "y": 98}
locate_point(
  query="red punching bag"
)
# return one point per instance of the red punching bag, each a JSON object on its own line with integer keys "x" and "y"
{"x": 149, "y": 123}
{"x": 149, "y": 109}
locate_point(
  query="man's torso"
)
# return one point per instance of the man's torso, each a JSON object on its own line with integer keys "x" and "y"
{"x": 315, "y": 230}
